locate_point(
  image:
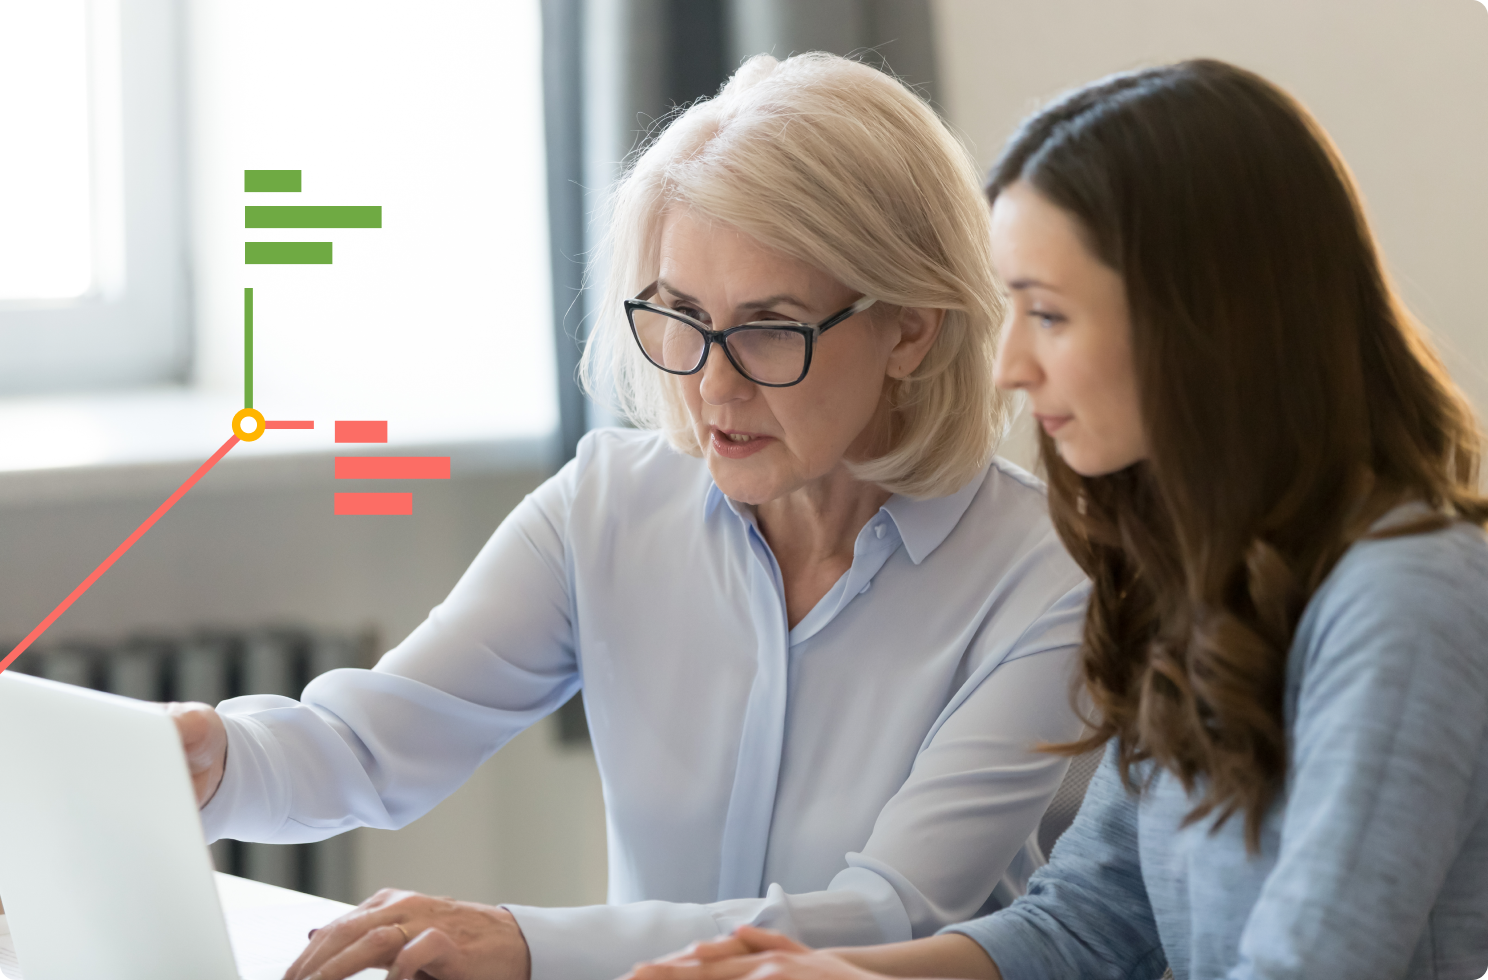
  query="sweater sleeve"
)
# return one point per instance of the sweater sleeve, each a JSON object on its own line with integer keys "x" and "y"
{"x": 1391, "y": 715}
{"x": 1086, "y": 913}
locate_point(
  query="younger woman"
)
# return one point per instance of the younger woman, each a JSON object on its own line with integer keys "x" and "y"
{"x": 1273, "y": 487}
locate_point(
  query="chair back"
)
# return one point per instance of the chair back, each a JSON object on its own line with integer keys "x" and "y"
{"x": 1067, "y": 799}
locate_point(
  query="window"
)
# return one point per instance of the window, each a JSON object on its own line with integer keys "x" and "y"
{"x": 440, "y": 320}
{"x": 142, "y": 125}
{"x": 46, "y": 236}
{"x": 92, "y": 257}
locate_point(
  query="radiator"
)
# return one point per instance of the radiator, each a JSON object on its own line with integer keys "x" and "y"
{"x": 210, "y": 667}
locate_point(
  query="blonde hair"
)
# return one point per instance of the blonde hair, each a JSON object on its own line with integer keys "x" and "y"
{"x": 838, "y": 165}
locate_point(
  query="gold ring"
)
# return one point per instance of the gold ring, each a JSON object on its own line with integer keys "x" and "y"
{"x": 406, "y": 937}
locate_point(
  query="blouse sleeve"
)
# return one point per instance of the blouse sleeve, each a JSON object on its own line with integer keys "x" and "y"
{"x": 380, "y": 748}
{"x": 978, "y": 786}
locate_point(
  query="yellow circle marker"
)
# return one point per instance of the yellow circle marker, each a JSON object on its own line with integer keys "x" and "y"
{"x": 248, "y": 435}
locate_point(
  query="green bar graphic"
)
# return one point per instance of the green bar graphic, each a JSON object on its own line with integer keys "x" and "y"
{"x": 288, "y": 253}
{"x": 271, "y": 180}
{"x": 290, "y": 216}
{"x": 247, "y": 348}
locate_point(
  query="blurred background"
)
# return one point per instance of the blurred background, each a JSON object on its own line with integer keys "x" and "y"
{"x": 489, "y": 133}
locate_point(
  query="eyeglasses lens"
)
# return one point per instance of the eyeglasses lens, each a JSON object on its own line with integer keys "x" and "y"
{"x": 769, "y": 356}
{"x": 766, "y": 356}
{"x": 669, "y": 343}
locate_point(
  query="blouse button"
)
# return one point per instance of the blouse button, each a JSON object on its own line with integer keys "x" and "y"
{"x": 878, "y": 531}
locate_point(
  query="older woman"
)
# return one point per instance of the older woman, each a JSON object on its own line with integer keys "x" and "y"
{"x": 819, "y": 630}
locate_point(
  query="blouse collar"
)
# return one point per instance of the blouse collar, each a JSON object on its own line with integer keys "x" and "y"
{"x": 922, "y": 524}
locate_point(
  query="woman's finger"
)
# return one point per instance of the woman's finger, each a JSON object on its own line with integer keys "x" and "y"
{"x": 707, "y": 949}
{"x": 319, "y": 939}
{"x": 773, "y": 969}
{"x": 376, "y": 948}
{"x": 383, "y": 907}
{"x": 429, "y": 949}
{"x": 778, "y": 965}
{"x": 757, "y": 940}
{"x": 332, "y": 938}
{"x": 743, "y": 941}
{"x": 721, "y": 969}
{"x": 798, "y": 963}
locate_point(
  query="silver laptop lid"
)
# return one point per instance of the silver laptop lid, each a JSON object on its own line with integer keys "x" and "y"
{"x": 103, "y": 868}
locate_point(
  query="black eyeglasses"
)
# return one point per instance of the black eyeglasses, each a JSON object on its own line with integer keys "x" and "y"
{"x": 773, "y": 353}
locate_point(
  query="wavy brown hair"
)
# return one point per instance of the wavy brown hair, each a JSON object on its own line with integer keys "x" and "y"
{"x": 1288, "y": 397}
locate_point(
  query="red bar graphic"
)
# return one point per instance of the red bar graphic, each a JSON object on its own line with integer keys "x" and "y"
{"x": 392, "y": 467}
{"x": 289, "y": 425}
{"x": 361, "y": 431}
{"x": 390, "y": 504}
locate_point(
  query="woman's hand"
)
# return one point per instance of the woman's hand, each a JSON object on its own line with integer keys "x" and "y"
{"x": 756, "y": 954}
{"x": 405, "y": 933}
{"x": 753, "y": 953}
{"x": 204, "y": 738}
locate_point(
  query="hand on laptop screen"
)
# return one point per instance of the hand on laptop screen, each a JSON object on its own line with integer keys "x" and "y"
{"x": 205, "y": 740}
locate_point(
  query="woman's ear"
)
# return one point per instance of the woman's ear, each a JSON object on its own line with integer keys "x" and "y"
{"x": 919, "y": 327}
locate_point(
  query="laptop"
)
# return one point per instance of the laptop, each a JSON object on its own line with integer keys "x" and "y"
{"x": 104, "y": 871}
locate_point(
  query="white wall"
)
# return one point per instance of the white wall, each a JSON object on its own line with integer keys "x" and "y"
{"x": 1402, "y": 86}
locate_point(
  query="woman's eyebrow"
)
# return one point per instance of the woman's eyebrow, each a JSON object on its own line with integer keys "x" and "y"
{"x": 1032, "y": 284}
{"x": 781, "y": 299}
{"x": 662, "y": 284}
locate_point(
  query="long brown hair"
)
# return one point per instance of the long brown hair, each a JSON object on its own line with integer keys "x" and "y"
{"x": 1288, "y": 397}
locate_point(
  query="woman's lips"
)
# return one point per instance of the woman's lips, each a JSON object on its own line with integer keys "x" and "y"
{"x": 737, "y": 448}
{"x": 1053, "y": 423}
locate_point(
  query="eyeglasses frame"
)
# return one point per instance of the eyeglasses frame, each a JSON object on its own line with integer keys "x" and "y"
{"x": 811, "y": 331}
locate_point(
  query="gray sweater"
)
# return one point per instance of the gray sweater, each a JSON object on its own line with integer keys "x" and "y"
{"x": 1373, "y": 864}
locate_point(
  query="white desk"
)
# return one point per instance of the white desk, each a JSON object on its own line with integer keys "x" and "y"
{"x": 267, "y": 925}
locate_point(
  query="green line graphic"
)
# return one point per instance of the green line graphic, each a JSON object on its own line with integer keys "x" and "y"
{"x": 287, "y": 216}
{"x": 259, "y": 181}
{"x": 247, "y": 348}
{"x": 287, "y": 253}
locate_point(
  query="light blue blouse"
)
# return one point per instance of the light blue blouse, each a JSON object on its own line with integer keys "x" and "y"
{"x": 1373, "y": 864}
{"x": 829, "y": 780}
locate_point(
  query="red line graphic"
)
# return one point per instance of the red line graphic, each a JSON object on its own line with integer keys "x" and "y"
{"x": 108, "y": 562}
{"x": 361, "y": 431}
{"x": 399, "y": 504}
{"x": 392, "y": 467}
{"x": 289, "y": 425}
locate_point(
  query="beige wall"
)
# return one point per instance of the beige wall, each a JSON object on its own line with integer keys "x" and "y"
{"x": 1402, "y": 86}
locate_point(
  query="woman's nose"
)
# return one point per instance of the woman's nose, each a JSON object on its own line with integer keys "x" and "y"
{"x": 1016, "y": 366}
{"x": 721, "y": 382}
